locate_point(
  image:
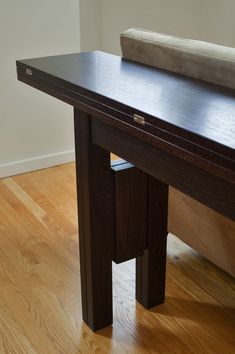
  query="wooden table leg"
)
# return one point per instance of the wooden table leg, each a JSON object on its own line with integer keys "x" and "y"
{"x": 151, "y": 267}
{"x": 96, "y": 225}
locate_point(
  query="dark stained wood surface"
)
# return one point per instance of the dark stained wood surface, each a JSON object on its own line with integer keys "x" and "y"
{"x": 197, "y": 183}
{"x": 96, "y": 225}
{"x": 188, "y": 117}
{"x": 151, "y": 267}
{"x": 130, "y": 201}
{"x": 187, "y": 141}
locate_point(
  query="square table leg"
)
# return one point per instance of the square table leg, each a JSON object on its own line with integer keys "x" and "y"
{"x": 96, "y": 224}
{"x": 151, "y": 267}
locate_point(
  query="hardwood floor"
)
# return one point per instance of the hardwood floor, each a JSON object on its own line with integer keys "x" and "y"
{"x": 40, "y": 301}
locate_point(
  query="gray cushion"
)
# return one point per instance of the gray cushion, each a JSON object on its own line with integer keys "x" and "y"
{"x": 197, "y": 59}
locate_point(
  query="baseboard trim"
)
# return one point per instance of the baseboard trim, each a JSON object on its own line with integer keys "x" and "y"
{"x": 37, "y": 163}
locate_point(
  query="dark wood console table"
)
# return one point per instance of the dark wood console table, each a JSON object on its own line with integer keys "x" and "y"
{"x": 175, "y": 130}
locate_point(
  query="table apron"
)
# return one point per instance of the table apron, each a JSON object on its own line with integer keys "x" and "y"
{"x": 207, "y": 188}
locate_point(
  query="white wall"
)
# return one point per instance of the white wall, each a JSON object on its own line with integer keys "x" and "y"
{"x": 90, "y": 24}
{"x": 210, "y": 20}
{"x": 35, "y": 130}
{"x": 168, "y": 16}
{"x": 218, "y": 22}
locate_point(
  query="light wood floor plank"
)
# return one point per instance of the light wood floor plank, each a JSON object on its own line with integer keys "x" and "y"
{"x": 40, "y": 299}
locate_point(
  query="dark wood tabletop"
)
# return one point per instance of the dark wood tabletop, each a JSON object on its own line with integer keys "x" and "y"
{"x": 186, "y": 116}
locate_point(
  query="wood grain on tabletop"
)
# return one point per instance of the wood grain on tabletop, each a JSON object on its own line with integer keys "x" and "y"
{"x": 40, "y": 302}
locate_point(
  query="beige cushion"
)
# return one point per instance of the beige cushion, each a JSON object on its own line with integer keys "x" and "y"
{"x": 205, "y": 230}
{"x": 197, "y": 59}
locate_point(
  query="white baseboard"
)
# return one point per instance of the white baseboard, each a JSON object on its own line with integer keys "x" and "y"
{"x": 37, "y": 163}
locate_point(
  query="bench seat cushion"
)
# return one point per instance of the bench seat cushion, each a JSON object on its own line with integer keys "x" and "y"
{"x": 196, "y": 59}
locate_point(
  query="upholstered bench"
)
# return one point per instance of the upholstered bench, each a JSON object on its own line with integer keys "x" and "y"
{"x": 205, "y": 230}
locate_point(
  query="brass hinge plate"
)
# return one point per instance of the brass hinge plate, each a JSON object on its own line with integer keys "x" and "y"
{"x": 29, "y": 72}
{"x": 138, "y": 119}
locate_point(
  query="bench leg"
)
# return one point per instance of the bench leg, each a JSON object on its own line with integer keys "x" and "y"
{"x": 151, "y": 267}
{"x": 96, "y": 225}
